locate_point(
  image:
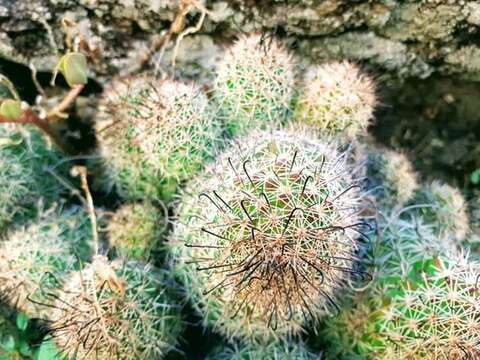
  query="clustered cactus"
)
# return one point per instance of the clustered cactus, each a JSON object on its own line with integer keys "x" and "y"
{"x": 286, "y": 221}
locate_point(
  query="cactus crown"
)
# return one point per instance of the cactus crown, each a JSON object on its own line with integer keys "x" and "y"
{"x": 272, "y": 351}
{"x": 274, "y": 234}
{"x": 110, "y": 311}
{"x": 155, "y": 134}
{"x": 337, "y": 98}
{"x": 254, "y": 84}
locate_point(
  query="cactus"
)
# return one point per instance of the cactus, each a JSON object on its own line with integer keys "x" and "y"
{"x": 115, "y": 311}
{"x": 393, "y": 176}
{"x": 436, "y": 318}
{"x": 446, "y": 208}
{"x": 337, "y": 98}
{"x": 33, "y": 258}
{"x": 255, "y": 84}
{"x": 135, "y": 230}
{"x": 154, "y": 134}
{"x": 412, "y": 263}
{"x": 24, "y": 180}
{"x": 272, "y": 351}
{"x": 267, "y": 236}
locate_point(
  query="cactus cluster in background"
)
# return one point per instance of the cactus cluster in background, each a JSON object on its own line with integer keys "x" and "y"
{"x": 279, "y": 218}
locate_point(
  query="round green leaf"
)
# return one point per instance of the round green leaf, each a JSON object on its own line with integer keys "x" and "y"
{"x": 73, "y": 66}
{"x": 22, "y": 321}
{"x": 11, "y": 109}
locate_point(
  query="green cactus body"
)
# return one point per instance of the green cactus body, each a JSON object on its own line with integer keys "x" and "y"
{"x": 135, "y": 230}
{"x": 437, "y": 317}
{"x": 272, "y": 351}
{"x": 446, "y": 208}
{"x": 414, "y": 288}
{"x": 25, "y": 182}
{"x": 34, "y": 258}
{"x": 267, "y": 236}
{"x": 120, "y": 311}
{"x": 337, "y": 99}
{"x": 155, "y": 134}
{"x": 392, "y": 174}
{"x": 255, "y": 84}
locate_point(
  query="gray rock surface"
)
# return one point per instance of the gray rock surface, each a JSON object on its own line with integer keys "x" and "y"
{"x": 404, "y": 38}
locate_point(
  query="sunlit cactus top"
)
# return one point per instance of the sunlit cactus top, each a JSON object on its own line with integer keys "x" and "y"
{"x": 254, "y": 84}
{"x": 268, "y": 236}
{"x": 155, "y": 134}
{"x": 337, "y": 98}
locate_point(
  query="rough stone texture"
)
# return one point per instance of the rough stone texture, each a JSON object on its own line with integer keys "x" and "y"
{"x": 406, "y": 38}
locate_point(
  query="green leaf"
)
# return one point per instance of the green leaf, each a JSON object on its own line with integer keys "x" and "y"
{"x": 11, "y": 109}
{"x": 22, "y": 321}
{"x": 73, "y": 66}
{"x": 48, "y": 351}
{"x": 475, "y": 177}
{"x": 8, "y": 343}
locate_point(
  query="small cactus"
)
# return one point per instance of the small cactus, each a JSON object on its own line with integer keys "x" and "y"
{"x": 393, "y": 177}
{"x": 272, "y": 351}
{"x": 337, "y": 98}
{"x": 446, "y": 208}
{"x": 135, "y": 230}
{"x": 154, "y": 134}
{"x": 25, "y": 182}
{"x": 34, "y": 258}
{"x": 255, "y": 84}
{"x": 267, "y": 236}
{"x": 113, "y": 311}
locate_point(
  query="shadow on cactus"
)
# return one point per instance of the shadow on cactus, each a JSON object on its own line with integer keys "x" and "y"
{"x": 267, "y": 237}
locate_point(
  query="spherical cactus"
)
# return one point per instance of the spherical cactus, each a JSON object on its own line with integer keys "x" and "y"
{"x": 34, "y": 258}
{"x": 337, "y": 98}
{"x": 392, "y": 176}
{"x": 115, "y": 311}
{"x": 267, "y": 236}
{"x": 25, "y": 181}
{"x": 446, "y": 207}
{"x": 436, "y": 318}
{"x": 135, "y": 230}
{"x": 154, "y": 134}
{"x": 272, "y": 351}
{"x": 254, "y": 84}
